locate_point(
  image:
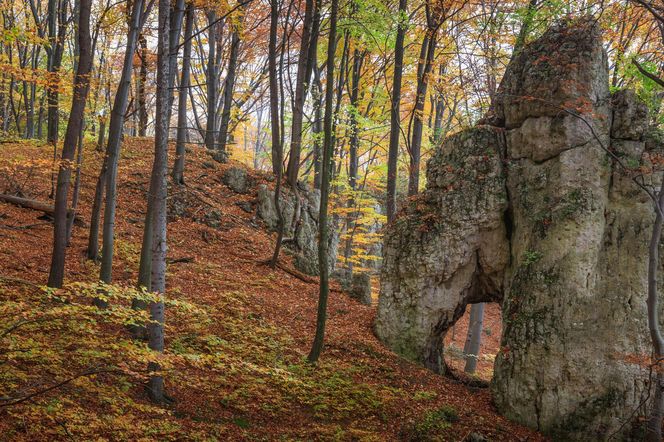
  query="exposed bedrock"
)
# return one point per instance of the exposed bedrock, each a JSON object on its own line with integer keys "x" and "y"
{"x": 300, "y": 214}
{"x": 533, "y": 212}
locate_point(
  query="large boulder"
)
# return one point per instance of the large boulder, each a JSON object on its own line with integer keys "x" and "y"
{"x": 448, "y": 248}
{"x": 536, "y": 213}
{"x": 237, "y": 179}
{"x": 300, "y": 214}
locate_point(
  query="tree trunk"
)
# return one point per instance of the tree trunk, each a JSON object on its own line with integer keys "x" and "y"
{"x": 323, "y": 237}
{"x": 141, "y": 98}
{"x": 353, "y": 163}
{"x": 395, "y": 114}
{"x": 81, "y": 86}
{"x": 277, "y": 147}
{"x": 424, "y": 69}
{"x": 654, "y": 425}
{"x": 212, "y": 79}
{"x": 474, "y": 337}
{"x": 177, "y": 14}
{"x": 102, "y": 134}
{"x": 95, "y": 218}
{"x": 274, "y": 87}
{"x": 317, "y": 127}
{"x": 229, "y": 86}
{"x": 178, "y": 167}
{"x": 300, "y": 94}
{"x": 114, "y": 139}
{"x": 77, "y": 186}
{"x": 158, "y": 193}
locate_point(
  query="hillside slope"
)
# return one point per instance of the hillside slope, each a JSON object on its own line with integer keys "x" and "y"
{"x": 237, "y": 332}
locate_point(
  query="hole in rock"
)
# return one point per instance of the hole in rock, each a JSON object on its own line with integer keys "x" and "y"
{"x": 490, "y": 332}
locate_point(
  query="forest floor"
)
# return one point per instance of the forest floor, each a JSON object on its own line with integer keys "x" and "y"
{"x": 237, "y": 332}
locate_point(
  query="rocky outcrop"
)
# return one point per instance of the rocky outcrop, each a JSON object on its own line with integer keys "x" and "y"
{"x": 301, "y": 225}
{"x": 237, "y": 179}
{"x": 536, "y": 211}
{"x": 447, "y": 248}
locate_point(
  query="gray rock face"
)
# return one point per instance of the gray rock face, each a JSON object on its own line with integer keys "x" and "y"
{"x": 630, "y": 116}
{"x": 536, "y": 214}
{"x": 447, "y": 249}
{"x": 360, "y": 288}
{"x": 302, "y": 230}
{"x": 236, "y": 179}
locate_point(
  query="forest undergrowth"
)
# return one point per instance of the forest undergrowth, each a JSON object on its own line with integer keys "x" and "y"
{"x": 237, "y": 331}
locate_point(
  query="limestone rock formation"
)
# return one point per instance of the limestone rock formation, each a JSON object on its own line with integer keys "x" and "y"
{"x": 301, "y": 231}
{"x": 237, "y": 179}
{"x": 448, "y": 248}
{"x": 534, "y": 212}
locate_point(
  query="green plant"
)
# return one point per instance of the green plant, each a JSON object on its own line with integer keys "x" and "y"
{"x": 530, "y": 257}
{"x": 430, "y": 426}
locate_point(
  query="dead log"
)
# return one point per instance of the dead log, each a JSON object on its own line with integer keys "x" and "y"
{"x": 36, "y": 205}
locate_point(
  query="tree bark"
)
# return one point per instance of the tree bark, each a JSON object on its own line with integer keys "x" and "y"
{"x": 654, "y": 425}
{"x": 141, "y": 98}
{"x": 114, "y": 139}
{"x": 178, "y": 167}
{"x": 277, "y": 147}
{"x": 395, "y": 114}
{"x": 317, "y": 346}
{"x": 81, "y": 86}
{"x": 300, "y": 94}
{"x": 229, "y": 86}
{"x": 212, "y": 80}
{"x": 474, "y": 337}
{"x": 425, "y": 64}
{"x": 158, "y": 193}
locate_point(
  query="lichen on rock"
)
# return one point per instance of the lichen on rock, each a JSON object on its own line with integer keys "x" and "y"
{"x": 534, "y": 212}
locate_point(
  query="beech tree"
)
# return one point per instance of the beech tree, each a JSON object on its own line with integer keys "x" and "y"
{"x": 158, "y": 194}
{"x": 323, "y": 226}
{"x": 395, "y": 112}
{"x": 178, "y": 166}
{"x": 72, "y": 135}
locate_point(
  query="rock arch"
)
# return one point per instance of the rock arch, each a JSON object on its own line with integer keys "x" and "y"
{"x": 530, "y": 210}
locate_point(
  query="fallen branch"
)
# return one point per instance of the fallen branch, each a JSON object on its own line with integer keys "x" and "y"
{"x": 36, "y": 205}
{"x": 299, "y": 275}
{"x": 18, "y": 281}
{"x": 185, "y": 259}
{"x": 8, "y": 401}
{"x": 25, "y": 227}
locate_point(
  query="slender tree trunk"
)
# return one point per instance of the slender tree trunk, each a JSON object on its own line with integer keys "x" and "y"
{"x": 424, "y": 69}
{"x": 395, "y": 114}
{"x": 54, "y": 85}
{"x": 277, "y": 147}
{"x": 95, "y": 218}
{"x": 654, "y": 425}
{"x": 77, "y": 186}
{"x": 158, "y": 193}
{"x": 52, "y": 94}
{"x": 178, "y": 167}
{"x": 323, "y": 237}
{"x": 229, "y": 86}
{"x": 212, "y": 80}
{"x": 141, "y": 95}
{"x": 353, "y": 163}
{"x": 177, "y": 14}
{"x": 102, "y": 134}
{"x": 113, "y": 146}
{"x": 317, "y": 127}
{"x": 474, "y": 337}
{"x": 300, "y": 94}
{"x": 81, "y": 86}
